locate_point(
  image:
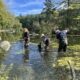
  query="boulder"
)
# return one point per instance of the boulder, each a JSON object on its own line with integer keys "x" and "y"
{"x": 5, "y": 45}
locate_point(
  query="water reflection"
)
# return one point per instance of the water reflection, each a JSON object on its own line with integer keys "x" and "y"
{"x": 26, "y": 54}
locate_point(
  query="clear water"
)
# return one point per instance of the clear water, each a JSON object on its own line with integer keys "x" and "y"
{"x": 27, "y": 64}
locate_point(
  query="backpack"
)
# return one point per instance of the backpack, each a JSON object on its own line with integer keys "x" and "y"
{"x": 62, "y": 37}
{"x": 58, "y": 35}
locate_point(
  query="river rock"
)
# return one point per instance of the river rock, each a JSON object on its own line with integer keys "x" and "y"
{"x": 5, "y": 45}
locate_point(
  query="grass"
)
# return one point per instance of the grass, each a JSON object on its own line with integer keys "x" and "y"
{"x": 63, "y": 62}
{"x": 5, "y": 73}
{"x": 62, "y": 67}
{"x": 72, "y": 55}
{"x": 75, "y": 47}
{"x": 11, "y": 37}
{"x": 2, "y": 76}
{"x": 2, "y": 54}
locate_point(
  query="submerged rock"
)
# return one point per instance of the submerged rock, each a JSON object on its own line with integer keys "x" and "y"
{"x": 5, "y": 45}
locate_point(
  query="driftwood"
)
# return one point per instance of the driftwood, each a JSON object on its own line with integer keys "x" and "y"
{"x": 72, "y": 71}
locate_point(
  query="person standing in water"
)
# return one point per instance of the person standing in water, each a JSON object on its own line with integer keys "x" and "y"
{"x": 62, "y": 39}
{"x": 26, "y": 37}
{"x": 41, "y": 43}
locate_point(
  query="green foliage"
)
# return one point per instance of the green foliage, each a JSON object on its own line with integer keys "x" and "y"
{"x": 70, "y": 17}
{"x": 8, "y": 22}
{"x": 48, "y": 10}
{"x": 31, "y": 22}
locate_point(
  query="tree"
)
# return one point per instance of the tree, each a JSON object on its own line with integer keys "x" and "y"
{"x": 70, "y": 16}
{"x": 48, "y": 10}
{"x": 7, "y": 20}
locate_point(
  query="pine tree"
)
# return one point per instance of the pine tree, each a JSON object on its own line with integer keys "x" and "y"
{"x": 48, "y": 9}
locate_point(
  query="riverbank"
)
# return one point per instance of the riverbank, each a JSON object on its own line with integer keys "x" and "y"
{"x": 64, "y": 69}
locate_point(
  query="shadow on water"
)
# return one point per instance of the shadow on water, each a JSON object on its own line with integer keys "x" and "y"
{"x": 26, "y": 54}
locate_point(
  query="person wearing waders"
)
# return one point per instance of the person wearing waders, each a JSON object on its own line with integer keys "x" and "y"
{"x": 41, "y": 43}
{"x": 42, "y": 38}
{"x": 62, "y": 39}
{"x": 26, "y": 37}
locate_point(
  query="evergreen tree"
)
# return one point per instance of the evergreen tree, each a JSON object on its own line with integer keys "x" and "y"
{"x": 48, "y": 9}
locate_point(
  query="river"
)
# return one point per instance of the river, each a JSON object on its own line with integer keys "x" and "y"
{"x": 27, "y": 64}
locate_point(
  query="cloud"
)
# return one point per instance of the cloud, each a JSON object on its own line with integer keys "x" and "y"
{"x": 34, "y": 11}
{"x": 9, "y": 2}
{"x": 31, "y": 3}
{"x": 24, "y": 6}
{"x": 23, "y": 3}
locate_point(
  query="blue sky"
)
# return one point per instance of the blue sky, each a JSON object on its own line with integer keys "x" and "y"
{"x": 24, "y": 7}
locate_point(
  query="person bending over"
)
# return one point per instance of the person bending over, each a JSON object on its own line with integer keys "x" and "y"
{"x": 62, "y": 39}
